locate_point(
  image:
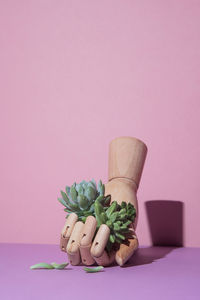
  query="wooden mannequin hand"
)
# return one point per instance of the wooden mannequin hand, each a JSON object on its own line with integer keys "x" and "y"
{"x": 81, "y": 241}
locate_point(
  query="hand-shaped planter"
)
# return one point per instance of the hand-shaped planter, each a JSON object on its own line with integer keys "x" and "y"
{"x": 97, "y": 230}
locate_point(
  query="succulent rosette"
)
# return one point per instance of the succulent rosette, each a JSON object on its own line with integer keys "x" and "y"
{"x": 80, "y": 198}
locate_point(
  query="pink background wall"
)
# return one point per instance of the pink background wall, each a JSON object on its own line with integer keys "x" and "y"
{"x": 76, "y": 74}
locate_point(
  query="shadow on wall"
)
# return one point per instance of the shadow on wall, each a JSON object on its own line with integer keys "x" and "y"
{"x": 165, "y": 218}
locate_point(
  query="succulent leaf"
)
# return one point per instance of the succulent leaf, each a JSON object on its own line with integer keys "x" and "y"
{"x": 111, "y": 209}
{"x": 67, "y": 200}
{"x": 67, "y": 188}
{"x": 62, "y": 202}
{"x": 83, "y": 203}
{"x": 116, "y": 227}
{"x": 84, "y": 184}
{"x": 112, "y": 238}
{"x": 70, "y": 205}
{"x": 100, "y": 199}
{"x": 122, "y": 216}
{"x": 122, "y": 211}
{"x": 91, "y": 208}
{"x": 90, "y": 193}
{"x": 73, "y": 194}
{"x": 98, "y": 208}
{"x": 64, "y": 196}
{"x": 101, "y": 188}
{"x": 93, "y": 270}
{"x": 79, "y": 189}
{"x": 123, "y": 204}
{"x": 120, "y": 236}
{"x": 114, "y": 216}
{"x": 91, "y": 184}
{"x": 94, "y": 183}
{"x": 109, "y": 223}
{"x": 128, "y": 223}
{"x": 83, "y": 219}
{"x": 103, "y": 217}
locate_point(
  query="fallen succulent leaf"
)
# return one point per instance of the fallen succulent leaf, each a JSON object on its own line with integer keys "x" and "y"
{"x": 42, "y": 266}
{"x": 49, "y": 266}
{"x": 59, "y": 266}
{"x": 93, "y": 270}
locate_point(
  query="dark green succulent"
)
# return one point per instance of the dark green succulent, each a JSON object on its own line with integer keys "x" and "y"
{"x": 80, "y": 198}
{"x": 117, "y": 217}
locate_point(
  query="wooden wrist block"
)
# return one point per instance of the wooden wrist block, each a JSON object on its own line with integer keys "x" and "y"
{"x": 126, "y": 158}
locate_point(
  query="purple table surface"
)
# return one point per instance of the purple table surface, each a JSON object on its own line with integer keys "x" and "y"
{"x": 152, "y": 273}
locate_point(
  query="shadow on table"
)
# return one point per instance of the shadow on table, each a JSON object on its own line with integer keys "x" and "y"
{"x": 147, "y": 255}
{"x": 165, "y": 219}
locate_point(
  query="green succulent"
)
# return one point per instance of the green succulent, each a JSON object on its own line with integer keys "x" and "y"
{"x": 117, "y": 217}
{"x": 80, "y": 198}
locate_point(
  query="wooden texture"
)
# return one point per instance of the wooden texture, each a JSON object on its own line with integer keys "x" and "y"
{"x": 86, "y": 256}
{"x": 126, "y": 158}
{"x": 100, "y": 240}
{"x": 126, "y": 251}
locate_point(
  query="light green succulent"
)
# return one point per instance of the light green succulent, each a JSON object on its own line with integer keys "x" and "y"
{"x": 117, "y": 217}
{"x": 80, "y": 198}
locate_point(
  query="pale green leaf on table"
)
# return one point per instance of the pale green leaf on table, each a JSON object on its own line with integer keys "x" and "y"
{"x": 93, "y": 270}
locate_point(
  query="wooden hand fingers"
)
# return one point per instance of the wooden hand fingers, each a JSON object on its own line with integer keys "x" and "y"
{"x": 86, "y": 240}
{"x": 77, "y": 239}
{"x": 126, "y": 250}
{"x": 67, "y": 230}
{"x": 98, "y": 251}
